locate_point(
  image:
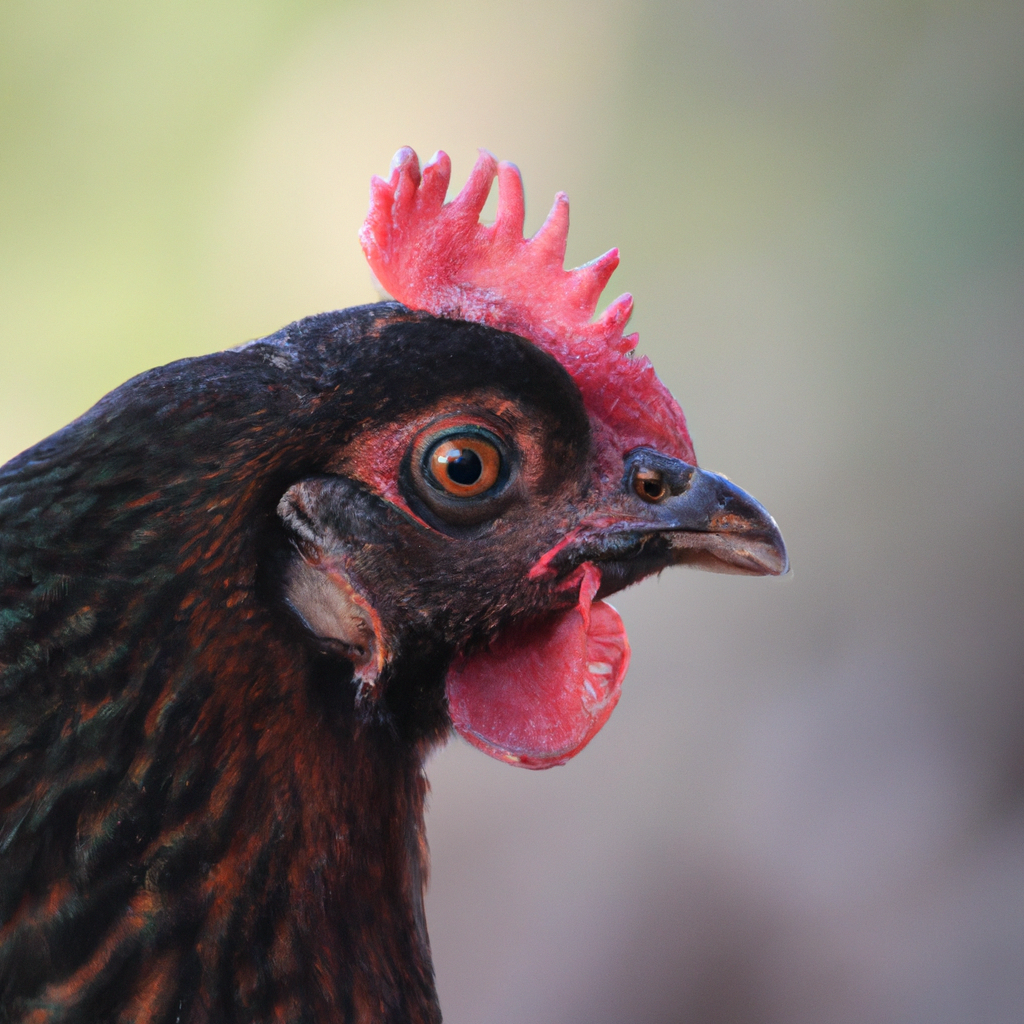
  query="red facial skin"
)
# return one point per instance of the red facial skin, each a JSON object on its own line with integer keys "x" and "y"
{"x": 376, "y": 456}
{"x": 543, "y": 689}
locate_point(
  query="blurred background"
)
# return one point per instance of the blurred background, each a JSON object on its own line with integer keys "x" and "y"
{"x": 809, "y": 805}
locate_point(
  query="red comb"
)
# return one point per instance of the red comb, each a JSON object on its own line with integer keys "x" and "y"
{"x": 441, "y": 259}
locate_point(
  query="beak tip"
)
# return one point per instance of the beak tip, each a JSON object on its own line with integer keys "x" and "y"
{"x": 770, "y": 551}
{"x": 777, "y": 547}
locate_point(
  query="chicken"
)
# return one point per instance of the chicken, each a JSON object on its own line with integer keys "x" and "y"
{"x": 244, "y": 595}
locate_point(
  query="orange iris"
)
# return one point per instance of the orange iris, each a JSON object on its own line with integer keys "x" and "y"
{"x": 465, "y": 466}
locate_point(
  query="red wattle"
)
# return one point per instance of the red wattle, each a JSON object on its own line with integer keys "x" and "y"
{"x": 540, "y": 693}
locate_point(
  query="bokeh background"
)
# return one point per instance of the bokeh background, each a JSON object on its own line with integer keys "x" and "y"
{"x": 809, "y": 805}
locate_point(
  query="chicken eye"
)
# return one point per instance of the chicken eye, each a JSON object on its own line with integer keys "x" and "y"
{"x": 464, "y": 465}
{"x": 650, "y": 485}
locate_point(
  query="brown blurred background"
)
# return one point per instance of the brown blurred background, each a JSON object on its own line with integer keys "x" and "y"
{"x": 809, "y": 805}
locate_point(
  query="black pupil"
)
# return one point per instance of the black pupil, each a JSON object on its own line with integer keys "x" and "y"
{"x": 464, "y": 469}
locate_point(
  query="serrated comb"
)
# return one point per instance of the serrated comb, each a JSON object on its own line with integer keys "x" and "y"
{"x": 439, "y": 258}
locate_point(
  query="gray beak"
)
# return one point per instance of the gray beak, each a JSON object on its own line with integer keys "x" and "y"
{"x": 701, "y": 518}
{"x": 668, "y": 512}
{"x": 715, "y": 525}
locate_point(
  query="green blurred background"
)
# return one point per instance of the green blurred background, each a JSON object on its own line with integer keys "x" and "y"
{"x": 809, "y": 805}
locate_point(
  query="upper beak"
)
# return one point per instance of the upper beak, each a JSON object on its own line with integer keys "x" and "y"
{"x": 716, "y": 525}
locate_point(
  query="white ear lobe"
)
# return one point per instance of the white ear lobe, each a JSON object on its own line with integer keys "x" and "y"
{"x": 322, "y": 596}
{"x": 318, "y": 583}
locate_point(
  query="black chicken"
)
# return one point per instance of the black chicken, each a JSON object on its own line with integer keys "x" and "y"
{"x": 244, "y": 595}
